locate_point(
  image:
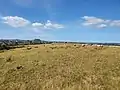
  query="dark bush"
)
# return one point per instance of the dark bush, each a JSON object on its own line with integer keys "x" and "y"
{"x": 36, "y": 47}
{"x": 4, "y": 47}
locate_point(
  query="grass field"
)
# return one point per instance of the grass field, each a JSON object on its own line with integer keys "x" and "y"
{"x": 60, "y": 67}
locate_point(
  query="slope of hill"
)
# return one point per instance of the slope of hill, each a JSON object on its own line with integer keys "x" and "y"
{"x": 60, "y": 67}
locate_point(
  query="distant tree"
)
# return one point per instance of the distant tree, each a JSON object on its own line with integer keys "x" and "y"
{"x": 4, "y": 46}
{"x": 37, "y": 41}
{"x": 16, "y": 42}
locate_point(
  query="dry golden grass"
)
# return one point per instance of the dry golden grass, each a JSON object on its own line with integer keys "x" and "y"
{"x": 60, "y": 67}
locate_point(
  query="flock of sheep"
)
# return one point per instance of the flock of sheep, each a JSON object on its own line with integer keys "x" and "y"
{"x": 95, "y": 45}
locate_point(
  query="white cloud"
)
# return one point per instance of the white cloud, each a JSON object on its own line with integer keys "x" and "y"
{"x": 38, "y": 27}
{"x": 47, "y": 25}
{"x": 99, "y": 22}
{"x": 15, "y": 21}
{"x": 107, "y": 21}
{"x": 36, "y": 24}
{"x": 92, "y": 20}
{"x": 50, "y": 25}
{"x": 115, "y": 23}
{"x": 102, "y": 26}
{"x": 23, "y": 3}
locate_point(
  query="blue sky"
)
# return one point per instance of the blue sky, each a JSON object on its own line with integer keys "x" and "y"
{"x": 69, "y": 20}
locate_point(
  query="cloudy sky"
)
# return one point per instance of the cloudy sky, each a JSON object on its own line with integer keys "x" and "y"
{"x": 69, "y": 20}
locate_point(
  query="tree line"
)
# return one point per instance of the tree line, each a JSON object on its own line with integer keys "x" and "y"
{"x": 16, "y": 43}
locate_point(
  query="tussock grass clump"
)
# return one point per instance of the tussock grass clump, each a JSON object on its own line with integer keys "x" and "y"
{"x": 19, "y": 67}
{"x": 61, "y": 47}
{"x": 55, "y": 47}
{"x": 9, "y": 58}
{"x": 67, "y": 46}
{"x": 44, "y": 45}
{"x": 36, "y": 47}
{"x": 47, "y": 51}
{"x": 1, "y": 51}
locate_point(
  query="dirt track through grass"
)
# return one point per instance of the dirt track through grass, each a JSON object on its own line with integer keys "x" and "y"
{"x": 60, "y": 67}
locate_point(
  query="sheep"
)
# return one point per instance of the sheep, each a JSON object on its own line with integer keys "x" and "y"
{"x": 83, "y": 45}
{"x": 97, "y": 46}
{"x": 28, "y": 48}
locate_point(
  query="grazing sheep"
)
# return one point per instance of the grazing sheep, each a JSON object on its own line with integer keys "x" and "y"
{"x": 75, "y": 45}
{"x": 83, "y": 45}
{"x": 101, "y": 46}
{"x": 28, "y": 48}
{"x": 97, "y": 46}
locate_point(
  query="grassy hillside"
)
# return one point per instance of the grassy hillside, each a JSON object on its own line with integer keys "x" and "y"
{"x": 60, "y": 67}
